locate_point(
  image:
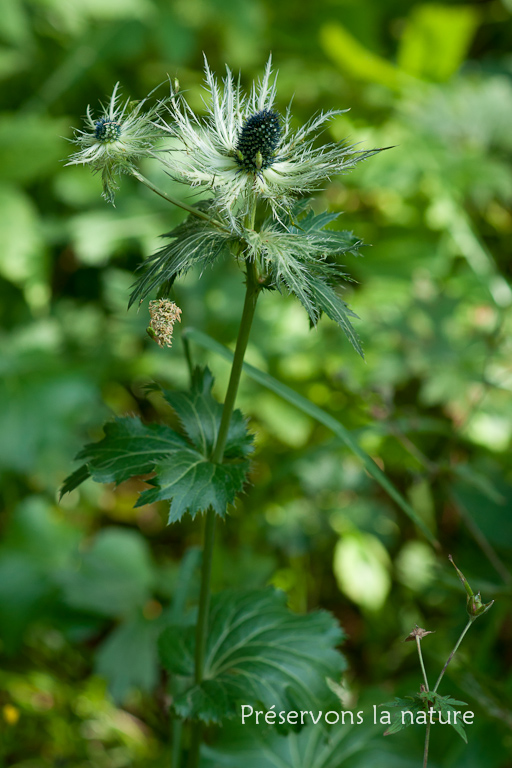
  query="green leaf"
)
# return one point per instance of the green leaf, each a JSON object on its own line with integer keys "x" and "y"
{"x": 113, "y": 578}
{"x": 301, "y": 257}
{"x": 259, "y": 653}
{"x": 128, "y": 658}
{"x": 422, "y": 702}
{"x": 436, "y": 39}
{"x": 31, "y": 146}
{"x": 409, "y": 704}
{"x": 184, "y": 473}
{"x": 258, "y": 746}
{"x": 446, "y": 705}
{"x": 324, "y": 418}
{"x": 23, "y": 261}
{"x": 129, "y": 448}
{"x": 329, "y": 302}
{"x": 200, "y": 415}
{"x": 194, "y": 483}
{"x": 193, "y": 243}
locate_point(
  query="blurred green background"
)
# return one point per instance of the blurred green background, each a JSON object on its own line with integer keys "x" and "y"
{"x": 86, "y": 584}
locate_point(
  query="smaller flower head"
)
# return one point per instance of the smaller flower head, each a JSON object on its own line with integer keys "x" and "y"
{"x": 164, "y": 314}
{"x": 115, "y": 141}
{"x": 475, "y": 606}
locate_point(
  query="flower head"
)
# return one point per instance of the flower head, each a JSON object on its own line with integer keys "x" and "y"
{"x": 114, "y": 141}
{"x": 245, "y": 150}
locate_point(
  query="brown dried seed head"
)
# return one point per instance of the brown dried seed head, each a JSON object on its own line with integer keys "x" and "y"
{"x": 418, "y": 632}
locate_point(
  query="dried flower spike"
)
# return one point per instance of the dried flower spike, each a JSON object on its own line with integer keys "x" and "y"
{"x": 164, "y": 314}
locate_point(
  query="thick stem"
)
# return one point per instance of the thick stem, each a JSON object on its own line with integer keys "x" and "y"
{"x": 452, "y": 654}
{"x": 251, "y": 297}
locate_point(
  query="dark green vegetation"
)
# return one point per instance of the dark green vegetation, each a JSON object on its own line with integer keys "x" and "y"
{"x": 87, "y": 586}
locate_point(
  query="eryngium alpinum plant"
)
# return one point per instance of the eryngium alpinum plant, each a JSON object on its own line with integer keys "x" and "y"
{"x": 257, "y": 170}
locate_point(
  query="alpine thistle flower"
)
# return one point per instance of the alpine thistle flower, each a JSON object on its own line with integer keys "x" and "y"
{"x": 245, "y": 151}
{"x": 113, "y": 142}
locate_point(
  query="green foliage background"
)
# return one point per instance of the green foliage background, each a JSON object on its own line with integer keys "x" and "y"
{"x": 87, "y": 584}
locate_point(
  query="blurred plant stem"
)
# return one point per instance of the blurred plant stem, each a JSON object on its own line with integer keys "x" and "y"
{"x": 452, "y": 654}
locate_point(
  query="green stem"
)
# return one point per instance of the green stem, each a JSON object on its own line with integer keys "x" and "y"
{"x": 427, "y": 740}
{"x": 251, "y": 297}
{"x": 418, "y": 644}
{"x": 195, "y": 211}
{"x": 176, "y": 743}
{"x": 452, "y": 654}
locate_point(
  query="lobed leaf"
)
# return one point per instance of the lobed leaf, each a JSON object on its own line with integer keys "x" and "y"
{"x": 129, "y": 448}
{"x": 194, "y": 483}
{"x": 200, "y": 415}
{"x": 257, "y": 746}
{"x": 258, "y": 653}
{"x": 183, "y": 471}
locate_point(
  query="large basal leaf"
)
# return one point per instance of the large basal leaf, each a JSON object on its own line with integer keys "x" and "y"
{"x": 260, "y": 746}
{"x": 259, "y": 653}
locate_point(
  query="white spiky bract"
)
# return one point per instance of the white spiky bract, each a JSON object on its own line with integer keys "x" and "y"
{"x": 137, "y": 136}
{"x": 206, "y": 151}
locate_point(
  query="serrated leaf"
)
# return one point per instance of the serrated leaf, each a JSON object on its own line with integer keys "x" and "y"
{"x": 194, "y": 242}
{"x": 323, "y": 417}
{"x": 194, "y": 484}
{"x": 445, "y": 705}
{"x": 421, "y": 702}
{"x": 258, "y": 746}
{"x": 257, "y": 652}
{"x": 313, "y": 223}
{"x": 184, "y": 473}
{"x": 129, "y": 448}
{"x": 75, "y": 479}
{"x": 200, "y": 415}
{"x": 407, "y": 704}
{"x": 329, "y": 302}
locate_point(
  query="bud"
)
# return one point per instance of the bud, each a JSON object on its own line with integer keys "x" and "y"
{"x": 474, "y": 605}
